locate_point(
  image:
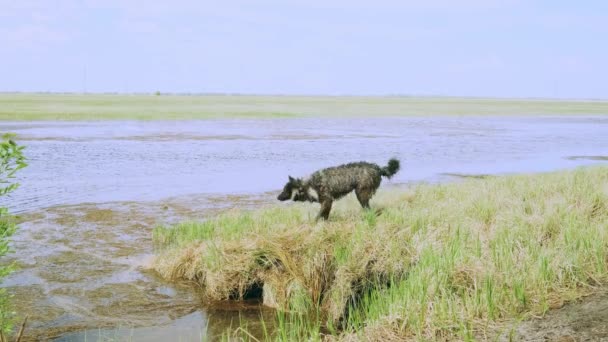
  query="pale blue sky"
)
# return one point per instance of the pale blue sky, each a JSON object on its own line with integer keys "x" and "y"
{"x": 510, "y": 48}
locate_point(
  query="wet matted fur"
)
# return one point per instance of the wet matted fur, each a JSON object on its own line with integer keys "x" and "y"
{"x": 333, "y": 183}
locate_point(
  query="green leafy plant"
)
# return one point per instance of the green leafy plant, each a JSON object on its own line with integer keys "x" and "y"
{"x": 11, "y": 161}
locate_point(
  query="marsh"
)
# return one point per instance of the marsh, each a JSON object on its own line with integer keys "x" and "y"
{"x": 94, "y": 190}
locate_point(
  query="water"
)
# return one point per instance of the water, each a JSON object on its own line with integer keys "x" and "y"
{"x": 94, "y": 190}
{"x": 76, "y": 162}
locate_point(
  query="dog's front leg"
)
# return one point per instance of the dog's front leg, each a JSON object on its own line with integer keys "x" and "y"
{"x": 325, "y": 209}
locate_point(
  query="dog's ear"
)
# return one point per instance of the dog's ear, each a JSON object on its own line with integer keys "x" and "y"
{"x": 291, "y": 179}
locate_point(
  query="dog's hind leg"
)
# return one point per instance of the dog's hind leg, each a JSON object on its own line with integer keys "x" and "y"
{"x": 364, "y": 195}
{"x": 325, "y": 209}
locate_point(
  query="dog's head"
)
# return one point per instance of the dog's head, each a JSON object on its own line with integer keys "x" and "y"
{"x": 292, "y": 190}
{"x": 298, "y": 191}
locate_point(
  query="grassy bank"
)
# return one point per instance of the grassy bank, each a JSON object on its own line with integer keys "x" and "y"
{"x": 151, "y": 107}
{"x": 454, "y": 261}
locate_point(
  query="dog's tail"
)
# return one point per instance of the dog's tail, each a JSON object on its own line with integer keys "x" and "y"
{"x": 392, "y": 168}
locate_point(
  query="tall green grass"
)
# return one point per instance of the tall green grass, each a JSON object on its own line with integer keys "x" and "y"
{"x": 451, "y": 261}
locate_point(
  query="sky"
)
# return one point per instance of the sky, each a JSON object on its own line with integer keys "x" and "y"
{"x": 490, "y": 48}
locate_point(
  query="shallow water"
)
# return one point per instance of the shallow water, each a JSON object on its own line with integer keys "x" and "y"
{"x": 84, "y": 271}
{"x": 94, "y": 190}
{"x": 76, "y": 162}
{"x": 197, "y": 326}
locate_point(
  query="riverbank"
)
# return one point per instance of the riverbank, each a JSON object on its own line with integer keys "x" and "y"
{"x": 459, "y": 261}
{"x": 69, "y": 107}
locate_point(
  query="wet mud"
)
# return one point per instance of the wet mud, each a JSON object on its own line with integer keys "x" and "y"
{"x": 84, "y": 270}
{"x": 594, "y": 158}
{"x": 582, "y": 320}
{"x": 464, "y": 175}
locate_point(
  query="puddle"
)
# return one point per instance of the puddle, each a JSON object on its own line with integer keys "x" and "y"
{"x": 192, "y": 327}
{"x": 209, "y": 325}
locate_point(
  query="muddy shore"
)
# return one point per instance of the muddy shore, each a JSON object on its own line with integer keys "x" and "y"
{"x": 84, "y": 267}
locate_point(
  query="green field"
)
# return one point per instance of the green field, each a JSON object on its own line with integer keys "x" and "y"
{"x": 459, "y": 261}
{"x": 152, "y": 107}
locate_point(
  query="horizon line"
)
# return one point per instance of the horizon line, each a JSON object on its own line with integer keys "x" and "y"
{"x": 237, "y": 94}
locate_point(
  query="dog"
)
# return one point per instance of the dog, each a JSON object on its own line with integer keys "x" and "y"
{"x": 333, "y": 183}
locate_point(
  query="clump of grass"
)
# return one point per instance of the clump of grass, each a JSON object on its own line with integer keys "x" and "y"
{"x": 452, "y": 261}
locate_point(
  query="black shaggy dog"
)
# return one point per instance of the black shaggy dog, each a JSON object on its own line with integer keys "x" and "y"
{"x": 333, "y": 183}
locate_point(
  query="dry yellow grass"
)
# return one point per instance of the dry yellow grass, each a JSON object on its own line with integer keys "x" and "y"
{"x": 451, "y": 261}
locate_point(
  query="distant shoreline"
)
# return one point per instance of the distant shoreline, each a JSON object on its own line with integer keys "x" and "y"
{"x": 72, "y": 106}
{"x": 304, "y": 95}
